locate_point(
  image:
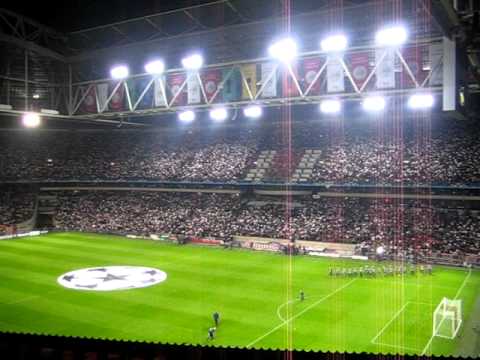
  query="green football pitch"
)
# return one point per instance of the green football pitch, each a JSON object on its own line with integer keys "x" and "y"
{"x": 256, "y": 294}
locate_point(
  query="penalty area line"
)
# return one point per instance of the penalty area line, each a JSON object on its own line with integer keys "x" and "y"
{"x": 397, "y": 314}
{"x": 300, "y": 313}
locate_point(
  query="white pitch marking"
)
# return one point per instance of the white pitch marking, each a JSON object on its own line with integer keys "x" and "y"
{"x": 388, "y": 323}
{"x": 301, "y": 313}
{"x": 456, "y": 297}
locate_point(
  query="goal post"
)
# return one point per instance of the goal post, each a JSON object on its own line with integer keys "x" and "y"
{"x": 447, "y": 318}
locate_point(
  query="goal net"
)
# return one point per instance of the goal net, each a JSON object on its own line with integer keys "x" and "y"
{"x": 447, "y": 318}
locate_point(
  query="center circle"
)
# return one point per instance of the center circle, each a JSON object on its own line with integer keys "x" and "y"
{"x": 111, "y": 278}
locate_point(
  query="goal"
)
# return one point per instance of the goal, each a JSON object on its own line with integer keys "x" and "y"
{"x": 447, "y": 318}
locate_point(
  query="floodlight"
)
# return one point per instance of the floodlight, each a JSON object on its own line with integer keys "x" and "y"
{"x": 284, "y": 50}
{"x": 330, "y": 106}
{"x": 155, "y": 67}
{"x": 218, "y": 114}
{"x": 334, "y": 43}
{"x": 186, "y": 116}
{"x": 36, "y": 96}
{"x": 374, "y": 103}
{"x": 380, "y": 250}
{"x": 193, "y": 62}
{"x": 391, "y": 36}
{"x": 421, "y": 101}
{"x": 31, "y": 120}
{"x": 119, "y": 72}
{"x": 253, "y": 111}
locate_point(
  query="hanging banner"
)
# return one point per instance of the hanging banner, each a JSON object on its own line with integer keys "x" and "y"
{"x": 136, "y": 88}
{"x": 232, "y": 87}
{"x": 117, "y": 103}
{"x": 359, "y": 68}
{"x": 269, "y": 80}
{"x": 175, "y": 81}
{"x": 413, "y": 56}
{"x": 288, "y": 84}
{"x": 102, "y": 95}
{"x": 89, "y": 104}
{"x": 250, "y": 73}
{"x": 193, "y": 90}
{"x": 158, "y": 92}
{"x": 335, "y": 76}
{"x": 311, "y": 67}
{"x": 436, "y": 64}
{"x": 211, "y": 80}
{"x": 385, "y": 73}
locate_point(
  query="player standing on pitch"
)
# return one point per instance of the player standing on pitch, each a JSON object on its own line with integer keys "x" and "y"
{"x": 211, "y": 333}
{"x": 302, "y": 295}
{"x": 216, "y": 318}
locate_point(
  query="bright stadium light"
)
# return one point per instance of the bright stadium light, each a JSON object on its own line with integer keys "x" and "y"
{"x": 192, "y": 62}
{"x": 186, "y": 116}
{"x": 421, "y": 101}
{"x": 119, "y": 72}
{"x": 374, "y": 103}
{"x": 253, "y": 111}
{"x": 334, "y": 43}
{"x": 330, "y": 106}
{"x": 380, "y": 250}
{"x": 31, "y": 120}
{"x": 218, "y": 114}
{"x": 155, "y": 67}
{"x": 284, "y": 50}
{"x": 391, "y": 36}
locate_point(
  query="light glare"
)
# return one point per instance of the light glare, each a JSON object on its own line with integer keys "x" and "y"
{"x": 253, "y": 111}
{"x": 284, "y": 50}
{"x": 334, "y": 43}
{"x": 380, "y": 250}
{"x": 155, "y": 67}
{"x": 391, "y": 36}
{"x": 218, "y": 114}
{"x": 421, "y": 101}
{"x": 119, "y": 72}
{"x": 186, "y": 116}
{"x": 330, "y": 106}
{"x": 374, "y": 103}
{"x": 31, "y": 120}
{"x": 192, "y": 62}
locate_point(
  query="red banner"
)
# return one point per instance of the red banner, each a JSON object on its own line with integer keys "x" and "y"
{"x": 89, "y": 104}
{"x": 118, "y": 99}
{"x": 413, "y": 56}
{"x": 211, "y": 80}
{"x": 197, "y": 240}
{"x": 175, "y": 81}
{"x": 311, "y": 67}
{"x": 289, "y": 87}
{"x": 359, "y": 68}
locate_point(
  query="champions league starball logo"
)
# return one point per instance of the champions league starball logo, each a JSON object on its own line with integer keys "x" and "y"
{"x": 112, "y": 278}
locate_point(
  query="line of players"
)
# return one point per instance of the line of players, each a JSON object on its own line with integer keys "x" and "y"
{"x": 373, "y": 271}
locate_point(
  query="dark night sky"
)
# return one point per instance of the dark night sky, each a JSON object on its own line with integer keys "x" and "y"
{"x": 69, "y": 15}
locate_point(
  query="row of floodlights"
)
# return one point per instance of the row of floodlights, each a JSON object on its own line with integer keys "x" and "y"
{"x": 328, "y": 106}
{"x": 372, "y": 104}
{"x": 284, "y": 50}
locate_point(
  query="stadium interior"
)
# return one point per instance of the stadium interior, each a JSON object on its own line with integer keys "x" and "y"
{"x": 332, "y": 147}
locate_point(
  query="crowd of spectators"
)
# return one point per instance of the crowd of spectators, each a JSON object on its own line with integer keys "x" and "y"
{"x": 15, "y": 206}
{"x": 352, "y": 152}
{"x": 411, "y": 227}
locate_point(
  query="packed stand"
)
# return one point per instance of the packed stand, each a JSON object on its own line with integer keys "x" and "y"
{"x": 353, "y": 151}
{"x": 16, "y": 205}
{"x": 412, "y": 228}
